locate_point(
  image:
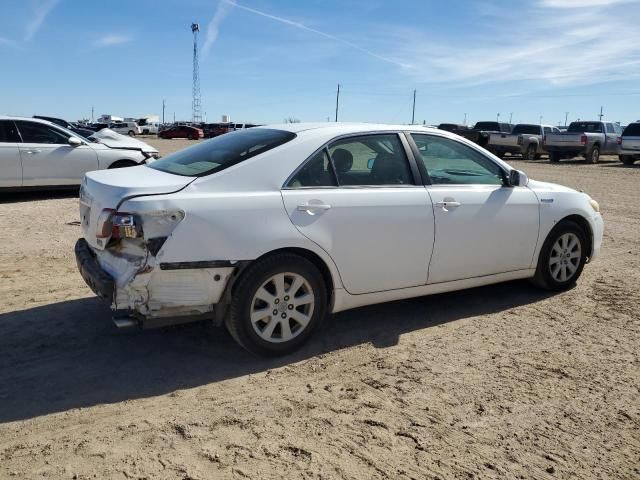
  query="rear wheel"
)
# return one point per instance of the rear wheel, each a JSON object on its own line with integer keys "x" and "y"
{"x": 562, "y": 257}
{"x": 530, "y": 152}
{"x": 554, "y": 157}
{"x": 277, "y": 304}
{"x": 132, "y": 133}
{"x": 626, "y": 159}
{"x": 594, "y": 154}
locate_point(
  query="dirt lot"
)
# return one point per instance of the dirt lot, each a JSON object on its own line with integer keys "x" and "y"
{"x": 497, "y": 382}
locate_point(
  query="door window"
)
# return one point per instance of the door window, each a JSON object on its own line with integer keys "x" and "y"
{"x": 317, "y": 172}
{"x": 8, "y": 132}
{"x": 610, "y": 128}
{"x": 40, "y": 133}
{"x": 451, "y": 162}
{"x": 370, "y": 160}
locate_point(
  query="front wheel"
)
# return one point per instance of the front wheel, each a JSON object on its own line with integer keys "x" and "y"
{"x": 594, "y": 155}
{"x": 277, "y": 304}
{"x": 132, "y": 133}
{"x": 562, "y": 257}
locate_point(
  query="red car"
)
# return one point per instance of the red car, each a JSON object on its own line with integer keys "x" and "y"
{"x": 182, "y": 131}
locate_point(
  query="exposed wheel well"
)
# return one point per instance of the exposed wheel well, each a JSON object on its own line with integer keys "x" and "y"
{"x": 123, "y": 164}
{"x": 306, "y": 254}
{"x": 584, "y": 225}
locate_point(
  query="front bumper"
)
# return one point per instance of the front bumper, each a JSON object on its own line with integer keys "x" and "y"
{"x": 597, "y": 224}
{"x": 505, "y": 149}
{"x": 99, "y": 281}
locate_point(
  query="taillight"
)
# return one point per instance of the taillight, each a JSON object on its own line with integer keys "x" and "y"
{"x": 520, "y": 140}
{"x": 544, "y": 139}
{"x": 112, "y": 224}
{"x": 619, "y": 140}
{"x": 583, "y": 139}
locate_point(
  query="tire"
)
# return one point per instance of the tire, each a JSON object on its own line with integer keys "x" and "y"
{"x": 552, "y": 261}
{"x": 538, "y": 156}
{"x": 554, "y": 157}
{"x": 594, "y": 154}
{"x": 123, "y": 164}
{"x": 530, "y": 152}
{"x": 195, "y": 137}
{"x": 626, "y": 159}
{"x": 257, "y": 292}
{"x": 131, "y": 133}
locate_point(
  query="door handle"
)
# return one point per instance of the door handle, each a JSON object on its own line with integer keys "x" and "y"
{"x": 447, "y": 204}
{"x": 313, "y": 208}
{"x": 33, "y": 151}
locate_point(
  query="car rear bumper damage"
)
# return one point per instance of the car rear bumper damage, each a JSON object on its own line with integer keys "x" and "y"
{"x": 149, "y": 293}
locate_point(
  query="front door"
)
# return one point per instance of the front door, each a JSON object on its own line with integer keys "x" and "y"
{"x": 482, "y": 226}
{"x": 359, "y": 200}
{"x": 10, "y": 164}
{"x": 48, "y": 159}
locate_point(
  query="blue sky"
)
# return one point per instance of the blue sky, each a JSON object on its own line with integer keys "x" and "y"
{"x": 266, "y": 60}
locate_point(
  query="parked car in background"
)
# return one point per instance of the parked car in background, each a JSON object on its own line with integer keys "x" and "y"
{"x": 630, "y": 144}
{"x": 587, "y": 139}
{"x": 147, "y": 127}
{"x": 97, "y": 126}
{"x": 182, "y": 131}
{"x": 83, "y": 132}
{"x": 126, "y": 128}
{"x": 525, "y": 139}
{"x": 35, "y": 153}
{"x": 348, "y": 215}
{"x": 452, "y": 127}
{"x": 482, "y": 130}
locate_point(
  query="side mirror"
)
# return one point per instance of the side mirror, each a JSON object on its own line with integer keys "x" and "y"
{"x": 518, "y": 178}
{"x": 74, "y": 141}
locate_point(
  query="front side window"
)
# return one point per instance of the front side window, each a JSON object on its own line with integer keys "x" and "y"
{"x": 33, "y": 132}
{"x": 222, "y": 152}
{"x": 450, "y": 162}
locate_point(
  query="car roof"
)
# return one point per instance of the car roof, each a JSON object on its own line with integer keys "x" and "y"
{"x": 346, "y": 127}
{"x": 29, "y": 119}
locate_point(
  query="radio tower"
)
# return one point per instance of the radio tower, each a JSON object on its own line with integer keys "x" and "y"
{"x": 196, "y": 116}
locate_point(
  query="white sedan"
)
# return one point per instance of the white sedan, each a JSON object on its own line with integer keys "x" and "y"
{"x": 268, "y": 229}
{"x": 36, "y": 153}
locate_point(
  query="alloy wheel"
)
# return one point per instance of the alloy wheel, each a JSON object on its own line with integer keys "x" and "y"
{"x": 564, "y": 259}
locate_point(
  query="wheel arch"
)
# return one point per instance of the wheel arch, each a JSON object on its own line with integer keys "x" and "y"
{"x": 584, "y": 224}
{"x": 123, "y": 162}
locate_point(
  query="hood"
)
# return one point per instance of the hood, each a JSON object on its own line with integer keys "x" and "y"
{"x": 113, "y": 139}
{"x": 541, "y": 187}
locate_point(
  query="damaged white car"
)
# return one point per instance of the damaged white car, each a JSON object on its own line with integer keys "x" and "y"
{"x": 36, "y": 153}
{"x": 268, "y": 229}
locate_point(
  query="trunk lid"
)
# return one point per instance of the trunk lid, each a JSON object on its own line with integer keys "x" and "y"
{"x": 504, "y": 139}
{"x": 565, "y": 139}
{"x": 108, "y": 188}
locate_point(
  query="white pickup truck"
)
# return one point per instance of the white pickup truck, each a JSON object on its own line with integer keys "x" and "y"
{"x": 587, "y": 139}
{"x": 630, "y": 144}
{"x": 525, "y": 139}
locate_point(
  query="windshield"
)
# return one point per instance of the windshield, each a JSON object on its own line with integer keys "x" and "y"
{"x": 221, "y": 152}
{"x": 487, "y": 126}
{"x": 582, "y": 127}
{"x": 527, "y": 129}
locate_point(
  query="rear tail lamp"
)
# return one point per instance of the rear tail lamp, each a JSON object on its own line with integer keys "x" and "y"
{"x": 619, "y": 140}
{"x": 520, "y": 140}
{"x": 583, "y": 139}
{"x": 113, "y": 224}
{"x": 544, "y": 139}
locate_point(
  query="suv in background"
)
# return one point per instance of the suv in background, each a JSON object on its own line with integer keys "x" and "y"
{"x": 126, "y": 128}
{"x": 630, "y": 144}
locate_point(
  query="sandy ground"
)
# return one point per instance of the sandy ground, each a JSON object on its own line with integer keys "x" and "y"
{"x": 497, "y": 382}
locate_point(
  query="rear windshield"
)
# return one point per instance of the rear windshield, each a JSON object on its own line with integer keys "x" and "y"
{"x": 582, "y": 127}
{"x": 493, "y": 126}
{"x": 527, "y": 129}
{"x": 632, "y": 130}
{"x": 222, "y": 152}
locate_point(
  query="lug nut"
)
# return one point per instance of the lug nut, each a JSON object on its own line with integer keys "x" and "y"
{"x": 286, "y": 298}
{"x": 284, "y": 315}
{"x": 275, "y": 312}
{"x": 290, "y": 306}
{"x": 276, "y": 301}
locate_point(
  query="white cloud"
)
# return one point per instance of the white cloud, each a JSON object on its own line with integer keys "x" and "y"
{"x": 40, "y": 12}
{"x": 554, "y": 46}
{"x": 581, "y": 3}
{"x": 111, "y": 40}
{"x": 214, "y": 25}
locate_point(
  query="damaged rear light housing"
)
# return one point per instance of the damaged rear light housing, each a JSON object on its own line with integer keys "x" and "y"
{"x": 116, "y": 225}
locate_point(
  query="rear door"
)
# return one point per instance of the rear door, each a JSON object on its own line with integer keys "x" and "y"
{"x": 482, "y": 227}
{"x": 10, "y": 164}
{"x": 48, "y": 159}
{"x": 611, "y": 139}
{"x": 361, "y": 201}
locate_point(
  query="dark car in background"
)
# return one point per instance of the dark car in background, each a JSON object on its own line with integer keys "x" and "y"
{"x": 83, "y": 132}
{"x": 481, "y": 131}
{"x": 182, "y": 131}
{"x": 452, "y": 127}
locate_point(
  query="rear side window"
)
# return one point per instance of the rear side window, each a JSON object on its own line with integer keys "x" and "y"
{"x": 527, "y": 129}
{"x": 8, "y": 132}
{"x": 222, "y": 152}
{"x": 632, "y": 130}
{"x": 610, "y": 128}
{"x": 490, "y": 126}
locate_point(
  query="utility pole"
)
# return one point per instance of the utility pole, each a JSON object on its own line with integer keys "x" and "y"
{"x": 566, "y": 117}
{"x": 601, "y": 114}
{"x": 337, "y": 101}
{"x": 465, "y": 119}
{"x": 413, "y": 110}
{"x": 541, "y": 117}
{"x": 510, "y": 116}
{"x": 163, "y": 105}
{"x": 498, "y": 118}
{"x": 196, "y": 116}
{"x": 91, "y": 113}
{"x": 174, "y": 117}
